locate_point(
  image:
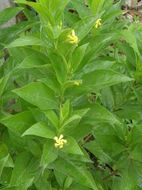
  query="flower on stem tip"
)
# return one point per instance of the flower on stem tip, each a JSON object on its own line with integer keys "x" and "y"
{"x": 60, "y": 141}
{"x": 72, "y": 38}
{"x": 98, "y": 23}
{"x": 76, "y": 83}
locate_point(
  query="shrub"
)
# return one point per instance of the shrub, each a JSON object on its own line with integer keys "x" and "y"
{"x": 71, "y": 107}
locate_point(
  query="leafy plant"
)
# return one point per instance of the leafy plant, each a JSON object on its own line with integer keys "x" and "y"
{"x": 70, "y": 101}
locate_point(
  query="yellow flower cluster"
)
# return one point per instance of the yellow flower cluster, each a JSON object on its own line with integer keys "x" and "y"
{"x": 76, "y": 83}
{"x": 98, "y": 23}
{"x": 60, "y": 141}
{"x": 72, "y": 38}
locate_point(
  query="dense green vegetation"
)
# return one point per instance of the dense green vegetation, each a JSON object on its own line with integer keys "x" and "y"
{"x": 70, "y": 97}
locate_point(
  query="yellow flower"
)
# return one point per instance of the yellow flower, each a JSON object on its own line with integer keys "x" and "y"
{"x": 72, "y": 38}
{"x": 98, "y": 23}
{"x": 60, "y": 141}
{"x": 76, "y": 83}
{"x": 60, "y": 25}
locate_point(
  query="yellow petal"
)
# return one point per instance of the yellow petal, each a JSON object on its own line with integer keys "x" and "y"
{"x": 56, "y": 145}
{"x": 76, "y": 83}
{"x": 55, "y": 138}
{"x": 73, "y": 33}
{"x": 61, "y": 136}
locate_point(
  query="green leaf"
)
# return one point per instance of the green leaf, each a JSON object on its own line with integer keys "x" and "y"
{"x": 68, "y": 182}
{"x": 98, "y": 114}
{"x": 109, "y": 139}
{"x": 136, "y": 153}
{"x": 49, "y": 153}
{"x": 40, "y": 8}
{"x": 76, "y": 186}
{"x": 107, "y": 97}
{"x": 132, "y": 41}
{"x": 55, "y": 8}
{"x": 75, "y": 117}
{"x": 7, "y": 35}
{"x": 24, "y": 171}
{"x": 130, "y": 177}
{"x": 63, "y": 180}
{"x": 11, "y": 188}
{"x": 113, "y": 12}
{"x": 83, "y": 27}
{"x": 78, "y": 173}
{"x": 8, "y": 13}
{"x": 64, "y": 111}
{"x": 42, "y": 183}
{"x": 25, "y": 41}
{"x": 78, "y": 131}
{"x": 78, "y": 55}
{"x": 95, "y": 149}
{"x": 96, "y": 5}
{"x": 129, "y": 37}
{"x": 72, "y": 147}
{"x": 18, "y": 123}
{"x": 38, "y": 94}
{"x": 136, "y": 135}
{"x": 81, "y": 8}
{"x": 60, "y": 177}
{"x": 130, "y": 110}
{"x": 53, "y": 118}
{"x": 41, "y": 130}
{"x": 35, "y": 60}
{"x": 103, "y": 78}
{"x": 51, "y": 82}
{"x": 59, "y": 65}
{"x": 3, "y": 156}
{"x": 3, "y": 83}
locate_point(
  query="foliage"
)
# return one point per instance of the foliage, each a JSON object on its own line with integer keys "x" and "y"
{"x": 70, "y": 97}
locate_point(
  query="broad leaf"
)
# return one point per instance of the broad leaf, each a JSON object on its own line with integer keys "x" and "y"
{"x": 103, "y": 78}
{"x": 78, "y": 55}
{"x": 3, "y": 83}
{"x": 41, "y": 130}
{"x": 60, "y": 67}
{"x": 24, "y": 171}
{"x": 98, "y": 114}
{"x": 38, "y": 94}
{"x": 8, "y": 13}
{"x": 18, "y": 123}
{"x": 49, "y": 153}
{"x": 25, "y": 41}
{"x": 35, "y": 60}
{"x": 78, "y": 173}
{"x": 3, "y": 156}
{"x": 53, "y": 118}
{"x": 72, "y": 147}
{"x": 95, "y": 149}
